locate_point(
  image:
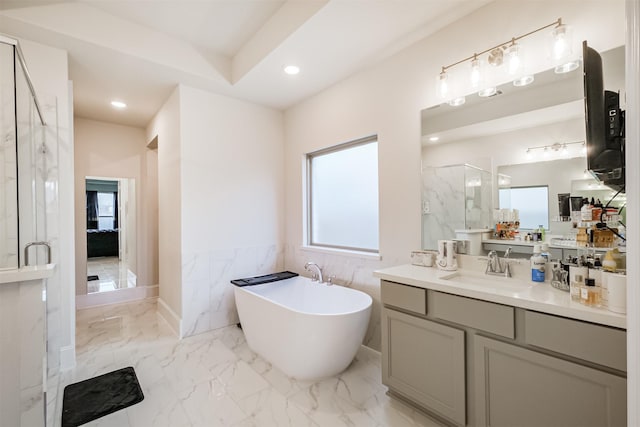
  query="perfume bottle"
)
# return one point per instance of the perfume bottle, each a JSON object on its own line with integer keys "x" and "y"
{"x": 589, "y": 294}
{"x": 577, "y": 273}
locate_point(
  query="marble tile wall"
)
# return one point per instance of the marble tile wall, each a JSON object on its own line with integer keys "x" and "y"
{"x": 207, "y": 294}
{"x": 443, "y": 196}
{"x": 22, "y": 347}
{"x": 350, "y": 271}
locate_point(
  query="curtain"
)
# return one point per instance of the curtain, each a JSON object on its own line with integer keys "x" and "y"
{"x": 115, "y": 210}
{"x": 92, "y": 210}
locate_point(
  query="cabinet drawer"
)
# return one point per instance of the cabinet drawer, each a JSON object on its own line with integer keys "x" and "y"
{"x": 487, "y": 316}
{"x": 405, "y": 297}
{"x": 594, "y": 343}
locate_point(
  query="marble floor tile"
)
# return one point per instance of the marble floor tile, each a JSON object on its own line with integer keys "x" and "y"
{"x": 215, "y": 379}
{"x": 111, "y": 272}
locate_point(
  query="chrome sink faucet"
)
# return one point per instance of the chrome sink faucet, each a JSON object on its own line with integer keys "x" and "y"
{"x": 318, "y": 274}
{"x": 497, "y": 266}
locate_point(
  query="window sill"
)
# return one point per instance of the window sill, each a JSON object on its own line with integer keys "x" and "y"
{"x": 344, "y": 252}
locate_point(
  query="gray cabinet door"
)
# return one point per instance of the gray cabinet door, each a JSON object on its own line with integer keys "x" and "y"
{"x": 515, "y": 386}
{"x": 425, "y": 362}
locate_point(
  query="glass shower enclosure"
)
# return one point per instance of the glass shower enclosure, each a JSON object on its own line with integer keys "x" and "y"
{"x": 24, "y": 164}
{"x": 457, "y": 197}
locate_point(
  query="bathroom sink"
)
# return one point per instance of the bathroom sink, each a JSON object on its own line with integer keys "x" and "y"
{"x": 487, "y": 281}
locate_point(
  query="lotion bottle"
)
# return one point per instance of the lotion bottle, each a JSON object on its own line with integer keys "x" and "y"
{"x": 538, "y": 264}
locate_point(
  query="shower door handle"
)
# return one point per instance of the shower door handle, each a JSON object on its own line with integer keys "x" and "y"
{"x": 26, "y": 251}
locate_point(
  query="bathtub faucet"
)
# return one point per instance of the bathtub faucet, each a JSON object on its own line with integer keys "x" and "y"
{"x": 318, "y": 274}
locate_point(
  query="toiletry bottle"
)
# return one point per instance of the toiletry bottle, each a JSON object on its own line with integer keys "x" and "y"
{"x": 589, "y": 294}
{"x": 577, "y": 273}
{"x": 538, "y": 264}
{"x": 596, "y": 274}
{"x": 541, "y": 233}
{"x": 585, "y": 211}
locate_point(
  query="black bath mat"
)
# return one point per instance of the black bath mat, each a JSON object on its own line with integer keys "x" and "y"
{"x": 99, "y": 396}
{"x": 90, "y": 278}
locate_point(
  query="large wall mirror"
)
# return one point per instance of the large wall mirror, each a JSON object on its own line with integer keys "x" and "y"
{"x": 522, "y": 143}
{"x": 111, "y": 233}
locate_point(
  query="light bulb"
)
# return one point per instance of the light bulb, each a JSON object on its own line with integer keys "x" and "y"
{"x": 528, "y": 154}
{"x": 560, "y": 46}
{"x": 567, "y": 67}
{"x": 475, "y": 73}
{"x": 514, "y": 60}
{"x": 546, "y": 152}
{"x": 488, "y": 91}
{"x": 562, "y": 39}
{"x": 565, "y": 150}
{"x": 456, "y": 102}
{"x": 443, "y": 84}
{"x": 584, "y": 148}
{"x": 523, "y": 81}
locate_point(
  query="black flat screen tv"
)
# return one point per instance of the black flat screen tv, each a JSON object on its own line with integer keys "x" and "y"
{"x": 604, "y": 122}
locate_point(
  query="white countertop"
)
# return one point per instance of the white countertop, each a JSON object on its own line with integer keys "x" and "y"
{"x": 526, "y": 294}
{"x": 25, "y": 274}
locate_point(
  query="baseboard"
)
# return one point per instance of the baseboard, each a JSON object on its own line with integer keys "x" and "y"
{"x": 115, "y": 297}
{"x": 67, "y": 358}
{"x": 170, "y": 317}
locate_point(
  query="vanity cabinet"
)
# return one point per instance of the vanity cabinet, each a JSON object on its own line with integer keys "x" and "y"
{"x": 515, "y": 386}
{"x": 424, "y": 361}
{"x": 480, "y": 363}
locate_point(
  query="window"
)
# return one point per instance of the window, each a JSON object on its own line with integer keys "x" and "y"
{"x": 106, "y": 211}
{"x": 342, "y": 184}
{"x": 531, "y": 202}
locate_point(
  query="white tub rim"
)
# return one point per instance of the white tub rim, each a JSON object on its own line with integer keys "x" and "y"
{"x": 368, "y": 297}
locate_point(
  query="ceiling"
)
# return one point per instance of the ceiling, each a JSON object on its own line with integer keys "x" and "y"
{"x": 137, "y": 51}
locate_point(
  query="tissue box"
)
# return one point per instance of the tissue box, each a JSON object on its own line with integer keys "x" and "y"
{"x": 423, "y": 258}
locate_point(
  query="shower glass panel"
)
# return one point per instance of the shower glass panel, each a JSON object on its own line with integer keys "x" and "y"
{"x": 454, "y": 198}
{"x": 8, "y": 162}
{"x": 23, "y": 164}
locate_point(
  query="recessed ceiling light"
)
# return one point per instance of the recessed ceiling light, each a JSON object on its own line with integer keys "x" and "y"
{"x": 434, "y": 139}
{"x": 292, "y": 70}
{"x": 118, "y": 104}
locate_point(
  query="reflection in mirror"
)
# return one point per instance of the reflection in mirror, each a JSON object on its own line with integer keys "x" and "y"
{"x": 454, "y": 198}
{"x": 531, "y": 203}
{"x": 506, "y": 134}
{"x": 111, "y": 234}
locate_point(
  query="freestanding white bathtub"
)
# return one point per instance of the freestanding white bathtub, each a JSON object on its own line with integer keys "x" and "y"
{"x": 306, "y": 329}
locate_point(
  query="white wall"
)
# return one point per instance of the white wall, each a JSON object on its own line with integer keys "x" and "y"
{"x": 166, "y": 127}
{"x": 225, "y": 160}
{"x": 232, "y": 202}
{"x": 49, "y": 73}
{"x": 386, "y": 100}
{"x": 114, "y": 151}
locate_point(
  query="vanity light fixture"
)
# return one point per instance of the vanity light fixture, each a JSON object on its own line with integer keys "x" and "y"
{"x": 434, "y": 139}
{"x": 556, "y": 148}
{"x": 509, "y": 53}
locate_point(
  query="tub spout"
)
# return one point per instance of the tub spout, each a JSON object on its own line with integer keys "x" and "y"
{"x": 310, "y": 266}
